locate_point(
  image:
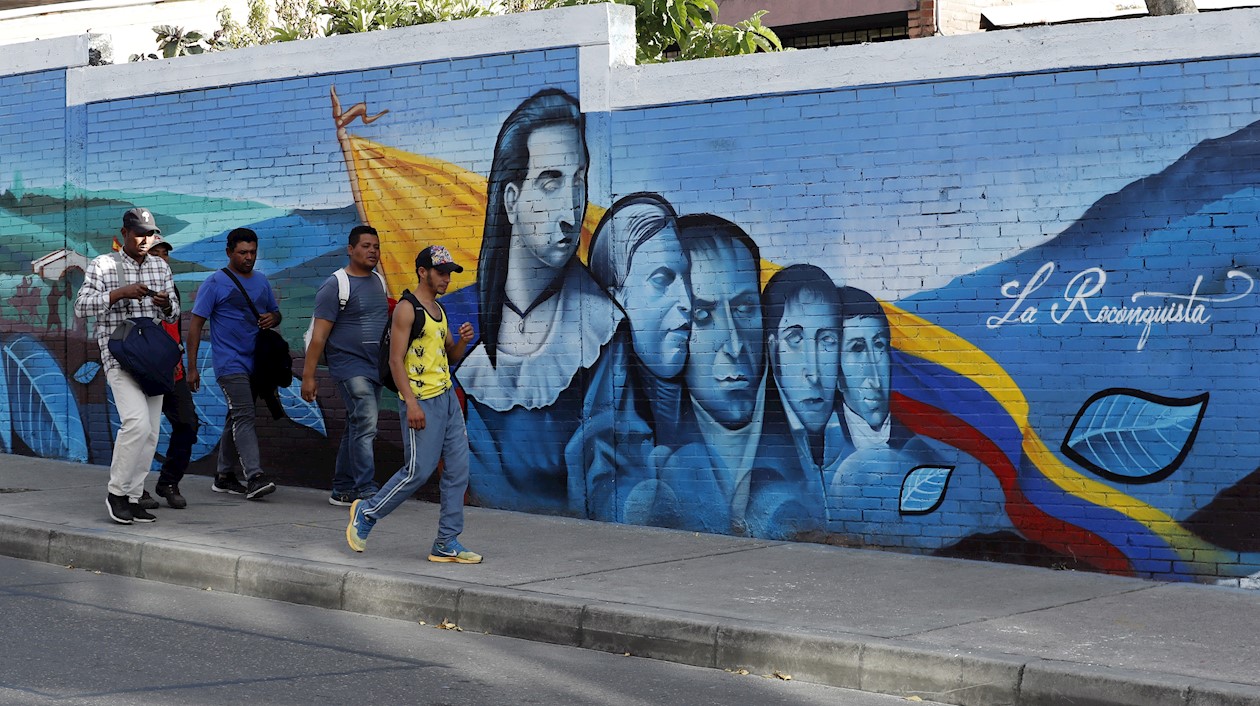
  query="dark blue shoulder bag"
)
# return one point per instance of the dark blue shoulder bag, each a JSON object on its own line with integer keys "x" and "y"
{"x": 145, "y": 351}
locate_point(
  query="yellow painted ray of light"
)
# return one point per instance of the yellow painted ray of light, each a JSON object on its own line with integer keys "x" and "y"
{"x": 415, "y": 201}
{"x": 921, "y": 338}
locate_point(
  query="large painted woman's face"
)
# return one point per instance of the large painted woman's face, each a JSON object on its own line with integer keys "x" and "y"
{"x": 546, "y": 209}
{"x": 657, "y": 303}
{"x": 807, "y": 360}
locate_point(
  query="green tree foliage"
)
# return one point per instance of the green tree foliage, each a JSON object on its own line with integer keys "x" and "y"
{"x": 712, "y": 39}
{"x": 684, "y": 29}
{"x": 352, "y": 16}
{"x": 667, "y": 29}
{"x": 175, "y": 41}
{"x": 293, "y": 19}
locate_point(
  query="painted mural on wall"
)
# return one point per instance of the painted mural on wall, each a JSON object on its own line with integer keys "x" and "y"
{"x": 655, "y": 368}
{"x": 645, "y": 357}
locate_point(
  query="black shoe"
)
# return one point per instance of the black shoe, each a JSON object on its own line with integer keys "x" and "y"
{"x": 258, "y": 487}
{"x": 119, "y": 508}
{"x": 139, "y": 514}
{"x": 227, "y": 484}
{"x": 171, "y": 493}
{"x": 147, "y": 502}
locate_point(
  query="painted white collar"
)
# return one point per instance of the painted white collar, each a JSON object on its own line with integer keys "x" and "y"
{"x": 861, "y": 433}
{"x": 584, "y": 321}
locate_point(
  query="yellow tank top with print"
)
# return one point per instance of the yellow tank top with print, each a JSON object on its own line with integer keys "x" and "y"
{"x": 427, "y": 365}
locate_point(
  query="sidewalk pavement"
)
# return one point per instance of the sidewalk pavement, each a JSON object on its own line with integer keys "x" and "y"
{"x": 946, "y": 630}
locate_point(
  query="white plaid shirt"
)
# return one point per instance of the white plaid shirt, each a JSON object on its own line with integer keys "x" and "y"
{"x": 103, "y": 277}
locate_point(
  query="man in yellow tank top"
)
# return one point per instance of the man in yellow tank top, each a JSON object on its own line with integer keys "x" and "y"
{"x": 432, "y": 421}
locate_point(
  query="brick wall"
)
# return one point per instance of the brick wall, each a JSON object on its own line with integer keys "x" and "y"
{"x": 921, "y": 22}
{"x": 982, "y": 296}
{"x": 39, "y": 414}
{"x": 963, "y": 16}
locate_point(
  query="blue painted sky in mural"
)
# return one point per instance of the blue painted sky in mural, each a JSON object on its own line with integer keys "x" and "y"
{"x": 886, "y": 174}
{"x": 201, "y": 142}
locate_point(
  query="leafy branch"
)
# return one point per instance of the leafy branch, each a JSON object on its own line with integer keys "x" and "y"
{"x": 667, "y": 30}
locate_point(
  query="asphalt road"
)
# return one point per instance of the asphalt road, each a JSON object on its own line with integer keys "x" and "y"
{"x": 78, "y": 637}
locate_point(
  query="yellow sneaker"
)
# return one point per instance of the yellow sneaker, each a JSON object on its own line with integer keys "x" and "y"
{"x": 454, "y": 552}
{"x": 357, "y": 530}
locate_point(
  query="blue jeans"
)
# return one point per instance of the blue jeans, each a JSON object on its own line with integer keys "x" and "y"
{"x": 444, "y": 437}
{"x": 356, "y": 465}
{"x": 238, "y": 448}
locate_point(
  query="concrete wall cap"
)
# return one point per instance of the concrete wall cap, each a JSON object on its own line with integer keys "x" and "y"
{"x": 46, "y": 54}
{"x": 582, "y": 26}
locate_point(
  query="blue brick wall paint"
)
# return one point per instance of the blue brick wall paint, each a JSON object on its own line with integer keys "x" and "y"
{"x": 1006, "y": 226}
{"x": 41, "y": 410}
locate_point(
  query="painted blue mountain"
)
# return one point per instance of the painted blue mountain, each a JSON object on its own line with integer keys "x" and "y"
{"x": 1155, "y": 288}
{"x": 87, "y": 221}
{"x": 285, "y": 241}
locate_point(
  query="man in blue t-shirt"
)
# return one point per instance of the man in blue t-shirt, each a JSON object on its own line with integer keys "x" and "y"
{"x": 233, "y": 334}
{"x": 348, "y": 335}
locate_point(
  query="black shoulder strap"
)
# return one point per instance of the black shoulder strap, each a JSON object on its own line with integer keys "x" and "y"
{"x": 417, "y": 322}
{"x": 244, "y": 293}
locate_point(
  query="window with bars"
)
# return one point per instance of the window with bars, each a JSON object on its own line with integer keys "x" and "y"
{"x": 856, "y": 36}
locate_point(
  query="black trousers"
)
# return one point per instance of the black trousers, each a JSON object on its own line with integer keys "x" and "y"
{"x": 180, "y": 412}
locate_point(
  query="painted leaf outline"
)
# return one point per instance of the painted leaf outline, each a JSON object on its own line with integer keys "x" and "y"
{"x": 45, "y": 413}
{"x": 299, "y": 410}
{"x": 1132, "y": 436}
{"x": 87, "y": 372}
{"x": 6, "y": 408}
{"x": 210, "y": 404}
{"x": 923, "y": 489}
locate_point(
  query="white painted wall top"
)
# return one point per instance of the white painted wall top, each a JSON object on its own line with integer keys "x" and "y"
{"x": 585, "y": 26}
{"x": 1031, "y": 50}
{"x": 1043, "y": 13}
{"x": 604, "y": 36}
{"x": 128, "y": 24}
{"x": 41, "y": 56}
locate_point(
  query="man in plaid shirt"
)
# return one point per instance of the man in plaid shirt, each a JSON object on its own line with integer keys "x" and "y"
{"x": 119, "y": 286}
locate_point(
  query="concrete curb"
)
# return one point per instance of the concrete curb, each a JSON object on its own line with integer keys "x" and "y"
{"x": 972, "y": 678}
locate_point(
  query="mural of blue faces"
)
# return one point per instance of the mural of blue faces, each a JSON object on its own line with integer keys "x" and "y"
{"x": 661, "y": 384}
{"x": 1075, "y": 400}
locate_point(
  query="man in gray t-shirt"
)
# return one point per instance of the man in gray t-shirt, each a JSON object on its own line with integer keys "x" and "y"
{"x": 349, "y": 337}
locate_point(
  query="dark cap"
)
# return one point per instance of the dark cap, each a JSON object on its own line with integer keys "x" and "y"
{"x": 162, "y": 244}
{"x": 139, "y": 219}
{"x": 437, "y": 257}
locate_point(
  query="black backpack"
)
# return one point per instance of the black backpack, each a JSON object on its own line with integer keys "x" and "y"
{"x": 417, "y": 328}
